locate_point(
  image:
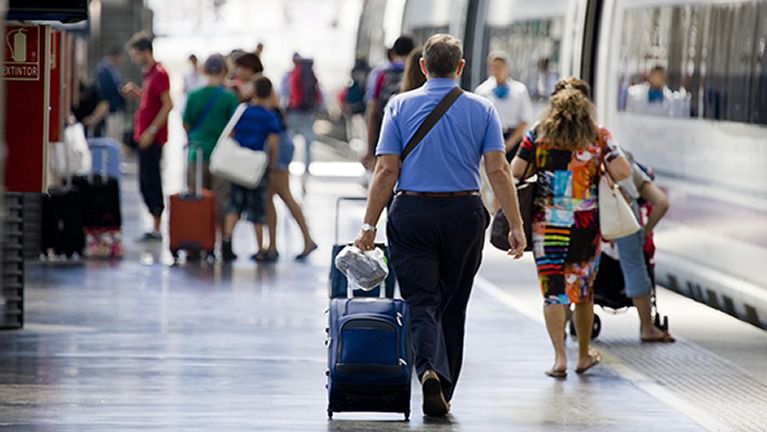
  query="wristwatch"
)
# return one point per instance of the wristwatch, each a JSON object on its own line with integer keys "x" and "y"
{"x": 152, "y": 129}
{"x": 366, "y": 227}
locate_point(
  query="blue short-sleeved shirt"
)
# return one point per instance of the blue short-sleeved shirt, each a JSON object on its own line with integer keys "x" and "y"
{"x": 254, "y": 127}
{"x": 447, "y": 160}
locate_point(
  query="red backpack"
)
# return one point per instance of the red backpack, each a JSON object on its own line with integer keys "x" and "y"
{"x": 304, "y": 88}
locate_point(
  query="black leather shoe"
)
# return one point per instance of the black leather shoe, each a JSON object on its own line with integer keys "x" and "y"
{"x": 434, "y": 403}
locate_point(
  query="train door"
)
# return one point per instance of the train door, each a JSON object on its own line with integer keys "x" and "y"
{"x": 423, "y": 18}
{"x": 380, "y": 24}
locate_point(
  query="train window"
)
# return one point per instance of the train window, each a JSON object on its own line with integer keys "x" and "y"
{"x": 699, "y": 61}
{"x": 530, "y": 33}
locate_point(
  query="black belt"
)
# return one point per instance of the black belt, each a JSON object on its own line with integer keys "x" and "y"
{"x": 439, "y": 194}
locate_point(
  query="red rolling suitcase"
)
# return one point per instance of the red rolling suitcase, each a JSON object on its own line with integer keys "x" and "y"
{"x": 193, "y": 218}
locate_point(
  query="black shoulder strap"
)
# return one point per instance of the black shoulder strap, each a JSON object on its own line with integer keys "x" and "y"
{"x": 431, "y": 120}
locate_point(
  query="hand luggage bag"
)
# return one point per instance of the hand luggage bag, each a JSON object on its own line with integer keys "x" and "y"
{"x": 370, "y": 355}
{"x": 108, "y": 148}
{"x": 63, "y": 222}
{"x": 193, "y": 218}
{"x": 338, "y": 281}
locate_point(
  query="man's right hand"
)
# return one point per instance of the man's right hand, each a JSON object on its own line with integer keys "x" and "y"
{"x": 365, "y": 240}
{"x": 517, "y": 241}
{"x": 130, "y": 89}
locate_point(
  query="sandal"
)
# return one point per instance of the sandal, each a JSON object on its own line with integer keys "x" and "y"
{"x": 554, "y": 373}
{"x": 664, "y": 338}
{"x": 594, "y": 359}
{"x": 305, "y": 254}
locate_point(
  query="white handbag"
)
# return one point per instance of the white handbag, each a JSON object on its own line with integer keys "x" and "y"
{"x": 616, "y": 219}
{"x": 231, "y": 161}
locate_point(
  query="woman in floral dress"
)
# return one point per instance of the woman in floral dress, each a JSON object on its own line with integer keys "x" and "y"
{"x": 567, "y": 150}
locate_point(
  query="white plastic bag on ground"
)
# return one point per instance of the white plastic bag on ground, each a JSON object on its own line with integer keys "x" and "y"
{"x": 366, "y": 270}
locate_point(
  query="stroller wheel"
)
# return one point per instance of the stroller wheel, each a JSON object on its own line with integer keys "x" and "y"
{"x": 572, "y": 330}
{"x": 596, "y": 327}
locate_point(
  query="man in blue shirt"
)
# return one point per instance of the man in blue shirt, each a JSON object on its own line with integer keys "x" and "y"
{"x": 437, "y": 221}
{"x": 110, "y": 80}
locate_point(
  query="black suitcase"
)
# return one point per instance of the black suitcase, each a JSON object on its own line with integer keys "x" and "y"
{"x": 338, "y": 281}
{"x": 63, "y": 228}
{"x": 100, "y": 200}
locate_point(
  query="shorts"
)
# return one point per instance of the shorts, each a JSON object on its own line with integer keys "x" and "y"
{"x": 249, "y": 202}
{"x": 634, "y": 266}
{"x": 285, "y": 153}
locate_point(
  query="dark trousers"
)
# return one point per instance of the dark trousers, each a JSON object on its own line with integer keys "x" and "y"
{"x": 150, "y": 180}
{"x": 436, "y": 249}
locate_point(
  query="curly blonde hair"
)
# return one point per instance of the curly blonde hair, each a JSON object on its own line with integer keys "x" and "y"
{"x": 569, "y": 123}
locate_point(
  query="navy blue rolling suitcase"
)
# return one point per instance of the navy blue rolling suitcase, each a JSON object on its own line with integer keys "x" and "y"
{"x": 339, "y": 284}
{"x": 370, "y": 356}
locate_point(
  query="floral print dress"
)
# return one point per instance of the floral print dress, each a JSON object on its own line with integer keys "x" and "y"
{"x": 566, "y": 239}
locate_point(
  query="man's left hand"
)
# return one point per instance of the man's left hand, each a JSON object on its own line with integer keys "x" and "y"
{"x": 365, "y": 240}
{"x": 146, "y": 140}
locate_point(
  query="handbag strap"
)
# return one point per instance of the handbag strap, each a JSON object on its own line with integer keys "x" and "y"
{"x": 434, "y": 116}
{"x": 233, "y": 121}
{"x": 533, "y": 140}
{"x": 206, "y": 110}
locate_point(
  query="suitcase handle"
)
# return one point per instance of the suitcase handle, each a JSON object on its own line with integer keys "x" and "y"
{"x": 197, "y": 192}
{"x": 104, "y": 174}
{"x": 338, "y": 211}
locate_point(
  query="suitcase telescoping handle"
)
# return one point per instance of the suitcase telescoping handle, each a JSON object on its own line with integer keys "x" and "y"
{"x": 350, "y": 289}
{"x": 198, "y": 172}
{"x": 338, "y": 210}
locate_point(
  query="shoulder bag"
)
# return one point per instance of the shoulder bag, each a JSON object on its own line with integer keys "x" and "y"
{"x": 237, "y": 164}
{"x": 616, "y": 219}
{"x": 499, "y": 229}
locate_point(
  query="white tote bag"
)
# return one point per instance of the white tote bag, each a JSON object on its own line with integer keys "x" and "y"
{"x": 239, "y": 165}
{"x": 616, "y": 220}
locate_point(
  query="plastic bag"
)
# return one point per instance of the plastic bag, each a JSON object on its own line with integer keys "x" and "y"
{"x": 365, "y": 270}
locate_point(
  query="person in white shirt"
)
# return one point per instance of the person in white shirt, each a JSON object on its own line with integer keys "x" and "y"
{"x": 510, "y": 98}
{"x": 194, "y": 79}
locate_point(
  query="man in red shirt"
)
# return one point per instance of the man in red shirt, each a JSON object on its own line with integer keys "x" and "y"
{"x": 150, "y": 128}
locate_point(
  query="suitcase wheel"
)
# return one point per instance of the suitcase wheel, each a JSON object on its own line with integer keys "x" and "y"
{"x": 330, "y": 414}
{"x": 407, "y": 415}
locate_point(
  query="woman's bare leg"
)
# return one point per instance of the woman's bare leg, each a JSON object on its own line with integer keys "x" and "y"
{"x": 271, "y": 219}
{"x": 584, "y": 323}
{"x": 282, "y": 189}
{"x": 555, "y": 316}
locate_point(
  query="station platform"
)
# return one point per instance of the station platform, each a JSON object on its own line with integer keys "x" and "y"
{"x": 139, "y": 344}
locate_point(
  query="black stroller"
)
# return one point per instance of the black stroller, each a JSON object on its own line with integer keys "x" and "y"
{"x": 610, "y": 289}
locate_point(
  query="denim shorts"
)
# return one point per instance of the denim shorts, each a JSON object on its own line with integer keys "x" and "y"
{"x": 249, "y": 202}
{"x": 285, "y": 154}
{"x": 633, "y": 265}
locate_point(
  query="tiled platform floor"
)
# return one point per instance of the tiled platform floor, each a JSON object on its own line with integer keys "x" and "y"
{"x": 140, "y": 345}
